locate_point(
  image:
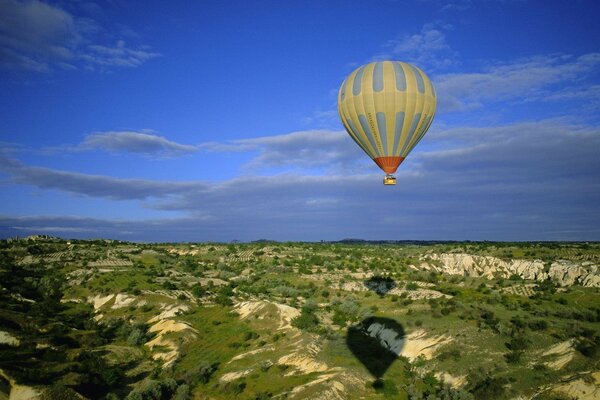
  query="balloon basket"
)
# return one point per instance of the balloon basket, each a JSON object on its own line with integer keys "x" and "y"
{"x": 389, "y": 180}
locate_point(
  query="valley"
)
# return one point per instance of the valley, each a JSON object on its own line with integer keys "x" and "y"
{"x": 409, "y": 320}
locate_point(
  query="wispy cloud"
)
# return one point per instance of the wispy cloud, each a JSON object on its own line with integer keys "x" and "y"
{"x": 523, "y": 80}
{"x": 40, "y": 37}
{"x": 458, "y": 5}
{"x": 135, "y": 142}
{"x": 428, "y": 48}
{"x": 91, "y": 185}
{"x": 328, "y": 150}
{"x": 522, "y": 181}
{"x": 117, "y": 56}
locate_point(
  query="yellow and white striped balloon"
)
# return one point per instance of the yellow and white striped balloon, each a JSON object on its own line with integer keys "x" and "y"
{"x": 387, "y": 107}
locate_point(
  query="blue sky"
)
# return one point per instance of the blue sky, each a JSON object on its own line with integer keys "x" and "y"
{"x": 217, "y": 121}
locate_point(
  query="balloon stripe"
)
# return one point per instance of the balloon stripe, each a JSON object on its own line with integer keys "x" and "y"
{"x": 413, "y": 127}
{"x": 356, "y": 86}
{"x": 419, "y": 78}
{"x": 361, "y": 139}
{"x": 378, "y": 77}
{"x": 355, "y": 136}
{"x": 387, "y": 105}
{"x": 356, "y": 107}
{"x": 422, "y": 132}
{"x": 408, "y": 106}
{"x": 382, "y": 132}
{"x": 348, "y": 112}
{"x": 400, "y": 77}
{"x": 398, "y": 131}
{"x": 365, "y": 126}
{"x": 343, "y": 90}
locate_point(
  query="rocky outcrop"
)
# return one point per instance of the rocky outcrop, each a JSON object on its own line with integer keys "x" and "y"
{"x": 563, "y": 273}
{"x": 567, "y": 273}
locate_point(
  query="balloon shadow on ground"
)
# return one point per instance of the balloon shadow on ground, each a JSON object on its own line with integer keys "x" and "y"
{"x": 376, "y": 342}
{"x": 380, "y": 284}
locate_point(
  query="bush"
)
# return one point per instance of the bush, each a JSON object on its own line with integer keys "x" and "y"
{"x": 486, "y": 387}
{"x": 198, "y": 291}
{"x": 137, "y": 337}
{"x": 538, "y": 325}
{"x": 339, "y": 318}
{"x": 59, "y": 392}
{"x": 154, "y": 390}
{"x": 518, "y": 343}
{"x": 201, "y": 373}
{"x": 286, "y": 291}
{"x": 249, "y": 335}
{"x": 588, "y": 347}
{"x": 513, "y": 357}
{"x": 168, "y": 285}
{"x": 183, "y": 392}
{"x": 223, "y": 296}
{"x": 488, "y": 318}
{"x": 236, "y": 387}
{"x": 307, "y": 320}
{"x": 453, "y": 353}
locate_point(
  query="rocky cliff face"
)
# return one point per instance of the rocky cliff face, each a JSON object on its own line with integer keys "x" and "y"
{"x": 563, "y": 273}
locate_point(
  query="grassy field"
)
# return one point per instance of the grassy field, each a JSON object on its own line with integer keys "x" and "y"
{"x": 108, "y": 319}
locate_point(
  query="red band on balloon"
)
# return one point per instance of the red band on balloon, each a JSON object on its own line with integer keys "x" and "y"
{"x": 389, "y": 165}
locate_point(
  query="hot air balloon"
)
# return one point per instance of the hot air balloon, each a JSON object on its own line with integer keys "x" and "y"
{"x": 386, "y": 108}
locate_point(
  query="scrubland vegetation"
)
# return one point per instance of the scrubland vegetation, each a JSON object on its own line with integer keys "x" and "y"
{"x": 115, "y": 320}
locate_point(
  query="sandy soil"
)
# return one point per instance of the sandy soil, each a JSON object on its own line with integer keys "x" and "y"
{"x": 454, "y": 381}
{"x": 215, "y": 281}
{"x": 232, "y": 376}
{"x": 169, "y": 311}
{"x": 414, "y": 345}
{"x": 260, "y": 308}
{"x": 18, "y": 297}
{"x": 169, "y": 356}
{"x": 20, "y": 392}
{"x": 163, "y": 327}
{"x": 170, "y": 294}
{"x": 252, "y": 352}
{"x": 7, "y": 338}
{"x": 417, "y": 294}
{"x": 122, "y": 300}
{"x": 563, "y": 353}
{"x": 338, "y": 385}
{"x": 580, "y": 389}
{"x": 170, "y": 325}
{"x": 338, "y": 392}
{"x": 302, "y": 363}
{"x": 417, "y": 344}
{"x": 98, "y": 301}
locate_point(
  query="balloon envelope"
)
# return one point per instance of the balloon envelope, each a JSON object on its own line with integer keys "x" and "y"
{"x": 386, "y": 107}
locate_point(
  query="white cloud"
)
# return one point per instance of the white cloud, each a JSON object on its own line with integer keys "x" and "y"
{"x": 428, "y": 48}
{"x": 329, "y": 150}
{"x": 523, "y": 80}
{"x": 40, "y": 37}
{"x": 523, "y": 181}
{"x": 117, "y": 56}
{"x": 92, "y": 185}
{"x": 135, "y": 142}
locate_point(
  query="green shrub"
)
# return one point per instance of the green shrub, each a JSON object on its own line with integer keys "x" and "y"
{"x": 538, "y": 325}
{"x": 307, "y": 320}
